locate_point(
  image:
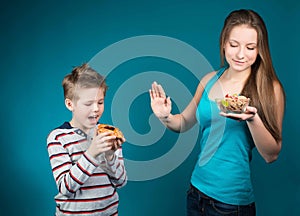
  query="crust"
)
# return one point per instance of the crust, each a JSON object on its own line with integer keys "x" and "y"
{"x": 116, "y": 131}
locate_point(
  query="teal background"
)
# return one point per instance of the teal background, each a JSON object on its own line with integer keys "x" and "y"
{"x": 42, "y": 40}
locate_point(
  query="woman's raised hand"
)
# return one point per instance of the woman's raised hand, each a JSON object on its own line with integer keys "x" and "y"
{"x": 160, "y": 104}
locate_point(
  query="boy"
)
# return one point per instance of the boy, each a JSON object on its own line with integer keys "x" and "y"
{"x": 87, "y": 166}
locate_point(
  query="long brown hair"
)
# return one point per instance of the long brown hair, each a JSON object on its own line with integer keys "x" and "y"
{"x": 260, "y": 84}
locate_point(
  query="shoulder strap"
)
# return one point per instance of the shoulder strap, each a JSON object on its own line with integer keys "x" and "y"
{"x": 211, "y": 82}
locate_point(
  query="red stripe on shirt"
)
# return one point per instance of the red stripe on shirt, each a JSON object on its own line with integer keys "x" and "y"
{"x": 96, "y": 165}
{"x": 74, "y": 143}
{"x": 63, "y": 134}
{"x": 87, "y": 200}
{"x": 68, "y": 187}
{"x": 57, "y": 155}
{"x": 95, "y": 187}
{"x": 61, "y": 165}
{"x": 58, "y": 177}
{"x": 91, "y": 211}
{"x": 53, "y": 144}
{"x": 83, "y": 170}
{"x": 75, "y": 179}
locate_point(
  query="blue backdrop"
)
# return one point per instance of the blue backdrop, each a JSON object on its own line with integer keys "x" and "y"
{"x": 133, "y": 43}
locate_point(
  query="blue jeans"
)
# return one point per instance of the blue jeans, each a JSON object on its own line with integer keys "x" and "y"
{"x": 198, "y": 204}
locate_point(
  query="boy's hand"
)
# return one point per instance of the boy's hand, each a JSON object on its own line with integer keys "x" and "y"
{"x": 101, "y": 142}
{"x": 116, "y": 144}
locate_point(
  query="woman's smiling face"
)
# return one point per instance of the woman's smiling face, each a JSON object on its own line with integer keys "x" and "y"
{"x": 241, "y": 48}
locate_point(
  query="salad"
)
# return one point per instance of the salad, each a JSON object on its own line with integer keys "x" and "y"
{"x": 233, "y": 103}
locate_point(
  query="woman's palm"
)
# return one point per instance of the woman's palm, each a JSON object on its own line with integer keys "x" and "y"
{"x": 161, "y": 106}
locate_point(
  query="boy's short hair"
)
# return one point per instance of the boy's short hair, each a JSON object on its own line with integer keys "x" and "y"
{"x": 82, "y": 77}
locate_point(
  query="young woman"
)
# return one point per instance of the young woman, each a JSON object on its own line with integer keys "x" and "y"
{"x": 220, "y": 183}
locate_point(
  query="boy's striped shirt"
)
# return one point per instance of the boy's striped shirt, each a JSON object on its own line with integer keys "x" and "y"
{"x": 86, "y": 186}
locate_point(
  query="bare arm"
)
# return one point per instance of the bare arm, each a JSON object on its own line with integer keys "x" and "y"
{"x": 161, "y": 106}
{"x": 187, "y": 119}
{"x": 265, "y": 143}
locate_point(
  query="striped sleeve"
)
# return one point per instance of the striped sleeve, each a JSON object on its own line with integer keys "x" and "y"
{"x": 69, "y": 176}
{"x": 115, "y": 169}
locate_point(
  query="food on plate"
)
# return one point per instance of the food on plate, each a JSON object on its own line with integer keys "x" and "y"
{"x": 233, "y": 103}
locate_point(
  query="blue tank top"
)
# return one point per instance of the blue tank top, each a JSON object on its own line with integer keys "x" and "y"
{"x": 223, "y": 167}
